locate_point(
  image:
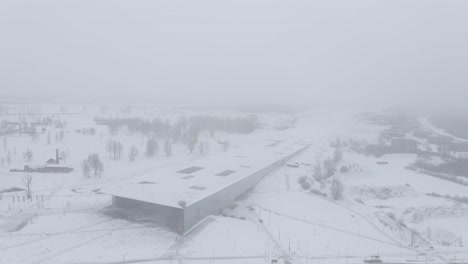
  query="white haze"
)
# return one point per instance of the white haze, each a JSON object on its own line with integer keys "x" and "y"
{"x": 223, "y": 51}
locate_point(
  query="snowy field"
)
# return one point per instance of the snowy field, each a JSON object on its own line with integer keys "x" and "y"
{"x": 385, "y": 209}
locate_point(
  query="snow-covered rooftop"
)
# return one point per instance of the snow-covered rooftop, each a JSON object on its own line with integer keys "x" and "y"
{"x": 196, "y": 180}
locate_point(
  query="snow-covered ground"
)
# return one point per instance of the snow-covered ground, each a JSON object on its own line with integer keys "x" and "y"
{"x": 383, "y": 209}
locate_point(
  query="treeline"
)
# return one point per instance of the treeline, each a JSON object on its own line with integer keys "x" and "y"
{"x": 453, "y": 123}
{"x": 452, "y": 166}
{"x": 324, "y": 169}
{"x": 460, "y": 199}
{"x": 182, "y": 128}
{"x": 4, "y": 109}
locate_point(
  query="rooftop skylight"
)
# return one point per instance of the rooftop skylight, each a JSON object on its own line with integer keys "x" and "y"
{"x": 190, "y": 170}
{"x": 226, "y": 173}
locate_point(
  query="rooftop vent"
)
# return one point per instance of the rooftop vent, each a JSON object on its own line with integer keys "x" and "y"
{"x": 226, "y": 173}
{"x": 147, "y": 182}
{"x": 190, "y": 170}
{"x": 198, "y": 188}
{"x": 275, "y": 143}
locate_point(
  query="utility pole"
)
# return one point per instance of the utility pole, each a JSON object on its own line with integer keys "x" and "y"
{"x": 347, "y": 251}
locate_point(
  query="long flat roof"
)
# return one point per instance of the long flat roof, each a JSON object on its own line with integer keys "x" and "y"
{"x": 198, "y": 179}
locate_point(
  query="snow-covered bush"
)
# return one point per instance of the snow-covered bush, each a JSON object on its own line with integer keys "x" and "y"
{"x": 337, "y": 189}
{"x": 305, "y": 185}
{"x": 318, "y": 192}
{"x": 392, "y": 216}
{"x": 302, "y": 179}
{"x": 344, "y": 169}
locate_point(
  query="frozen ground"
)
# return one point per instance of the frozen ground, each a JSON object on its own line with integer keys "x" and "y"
{"x": 68, "y": 220}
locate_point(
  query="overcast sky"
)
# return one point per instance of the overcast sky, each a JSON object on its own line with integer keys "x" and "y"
{"x": 246, "y": 51}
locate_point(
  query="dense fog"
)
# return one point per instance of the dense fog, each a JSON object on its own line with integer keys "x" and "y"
{"x": 233, "y": 131}
{"x": 294, "y": 52}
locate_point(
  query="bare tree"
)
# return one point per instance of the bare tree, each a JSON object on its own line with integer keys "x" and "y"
{"x": 191, "y": 143}
{"x": 201, "y": 147}
{"x": 168, "y": 147}
{"x": 192, "y": 138}
{"x": 49, "y": 138}
{"x": 337, "y": 189}
{"x": 133, "y": 153}
{"x": 8, "y": 158}
{"x": 152, "y": 147}
{"x": 109, "y": 148}
{"x": 317, "y": 172}
{"x": 329, "y": 166}
{"x": 34, "y": 135}
{"x": 86, "y": 168}
{"x": 59, "y": 136}
{"x": 338, "y": 154}
{"x": 27, "y": 155}
{"x": 118, "y": 150}
{"x": 114, "y": 149}
{"x": 27, "y": 182}
{"x": 95, "y": 164}
{"x": 225, "y": 144}
{"x": 207, "y": 147}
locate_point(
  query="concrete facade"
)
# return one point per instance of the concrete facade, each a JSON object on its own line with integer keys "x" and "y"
{"x": 171, "y": 217}
{"x": 216, "y": 202}
{"x": 182, "y": 217}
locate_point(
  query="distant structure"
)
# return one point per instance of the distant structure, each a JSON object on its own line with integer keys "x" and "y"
{"x": 8, "y": 127}
{"x": 52, "y": 166}
{"x": 180, "y": 197}
{"x": 56, "y": 160}
{"x": 403, "y": 145}
{"x": 440, "y": 140}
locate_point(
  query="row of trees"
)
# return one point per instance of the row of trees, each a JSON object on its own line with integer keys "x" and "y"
{"x": 336, "y": 188}
{"x": 7, "y": 159}
{"x": 163, "y": 134}
{"x": 182, "y": 130}
{"x": 327, "y": 168}
{"x": 93, "y": 166}
{"x": 34, "y": 134}
{"x": 114, "y": 148}
{"x": 152, "y": 148}
{"x": 324, "y": 169}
